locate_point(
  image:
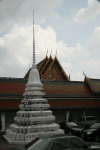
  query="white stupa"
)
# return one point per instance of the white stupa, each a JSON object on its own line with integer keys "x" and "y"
{"x": 33, "y": 119}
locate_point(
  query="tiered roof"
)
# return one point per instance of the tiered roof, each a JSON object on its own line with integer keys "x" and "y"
{"x": 60, "y": 92}
{"x": 50, "y": 69}
{"x": 94, "y": 84}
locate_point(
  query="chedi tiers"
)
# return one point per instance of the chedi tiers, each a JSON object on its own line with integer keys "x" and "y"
{"x": 33, "y": 119}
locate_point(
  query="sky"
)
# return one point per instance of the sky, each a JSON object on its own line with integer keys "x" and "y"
{"x": 70, "y": 27}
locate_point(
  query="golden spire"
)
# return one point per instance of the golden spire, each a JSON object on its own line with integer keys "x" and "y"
{"x": 29, "y": 66}
{"x": 56, "y": 53}
{"x": 69, "y": 77}
{"x": 51, "y": 51}
{"x": 83, "y": 72}
{"x": 47, "y": 52}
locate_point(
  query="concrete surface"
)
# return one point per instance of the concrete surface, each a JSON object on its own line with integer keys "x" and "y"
{"x": 4, "y": 145}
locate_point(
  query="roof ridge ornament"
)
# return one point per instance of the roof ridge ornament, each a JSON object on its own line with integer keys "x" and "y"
{"x": 51, "y": 52}
{"x": 83, "y": 73}
{"x": 47, "y": 52}
{"x": 56, "y": 53}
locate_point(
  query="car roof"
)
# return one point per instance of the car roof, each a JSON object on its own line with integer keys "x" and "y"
{"x": 56, "y": 136}
{"x": 48, "y": 137}
{"x": 88, "y": 116}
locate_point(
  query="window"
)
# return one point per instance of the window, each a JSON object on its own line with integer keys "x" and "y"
{"x": 63, "y": 124}
{"x": 80, "y": 119}
{"x": 71, "y": 124}
{"x": 90, "y": 118}
{"x": 77, "y": 143}
{"x": 47, "y": 145}
{"x": 83, "y": 119}
{"x": 53, "y": 146}
{"x": 95, "y": 126}
{"x": 37, "y": 144}
{"x": 61, "y": 144}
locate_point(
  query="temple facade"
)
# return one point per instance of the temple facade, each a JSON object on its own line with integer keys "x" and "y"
{"x": 63, "y": 95}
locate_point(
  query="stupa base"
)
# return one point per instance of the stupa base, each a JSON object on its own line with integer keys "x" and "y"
{"x": 28, "y": 139}
{"x": 15, "y": 142}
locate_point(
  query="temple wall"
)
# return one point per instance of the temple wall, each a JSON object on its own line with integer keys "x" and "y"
{"x": 60, "y": 115}
{"x": 9, "y": 118}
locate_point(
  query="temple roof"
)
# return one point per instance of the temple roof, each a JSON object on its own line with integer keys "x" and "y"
{"x": 50, "y": 69}
{"x": 52, "y": 88}
{"x": 60, "y": 94}
{"x": 94, "y": 84}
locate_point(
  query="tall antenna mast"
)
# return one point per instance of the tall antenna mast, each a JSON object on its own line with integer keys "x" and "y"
{"x": 34, "y": 66}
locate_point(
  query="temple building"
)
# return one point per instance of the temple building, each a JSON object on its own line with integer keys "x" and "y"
{"x": 62, "y": 94}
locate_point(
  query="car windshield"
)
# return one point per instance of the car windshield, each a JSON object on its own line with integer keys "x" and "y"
{"x": 71, "y": 124}
{"x": 95, "y": 126}
{"x": 35, "y": 143}
{"x": 90, "y": 118}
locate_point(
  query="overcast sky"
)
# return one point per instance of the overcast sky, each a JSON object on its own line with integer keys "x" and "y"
{"x": 70, "y": 26}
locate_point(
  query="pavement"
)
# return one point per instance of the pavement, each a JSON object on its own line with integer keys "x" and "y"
{"x": 4, "y": 145}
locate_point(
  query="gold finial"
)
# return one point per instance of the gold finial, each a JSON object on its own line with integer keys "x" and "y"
{"x": 29, "y": 66}
{"x": 47, "y": 52}
{"x": 56, "y": 53}
{"x": 51, "y": 51}
{"x": 83, "y": 72}
{"x": 69, "y": 77}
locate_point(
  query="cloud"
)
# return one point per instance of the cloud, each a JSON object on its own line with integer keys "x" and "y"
{"x": 76, "y": 76}
{"x": 67, "y": 67}
{"x": 91, "y": 68}
{"x": 20, "y": 11}
{"x": 89, "y": 13}
{"x": 94, "y": 43}
{"x": 9, "y": 7}
{"x": 16, "y": 48}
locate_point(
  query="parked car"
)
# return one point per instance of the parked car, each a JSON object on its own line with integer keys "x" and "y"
{"x": 93, "y": 132}
{"x": 58, "y": 142}
{"x": 71, "y": 128}
{"x": 86, "y": 121}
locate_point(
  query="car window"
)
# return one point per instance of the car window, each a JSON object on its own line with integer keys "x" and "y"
{"x": 83, "y": 119}
{"x": 80, "y": 119}
{"x": 31, "y": 143}
{"x": 37, "y": 144}
{"x": 77, "y": 143}
{"x": 90, "y": 118}
{"x": 53, "y": 146}
{"x": 63, "y": 124}
{"x": 61, "y": 144}
{"x": 71, "y": 124}
{"x": 95, "y": 126}
{"x": 46, "y": 145}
